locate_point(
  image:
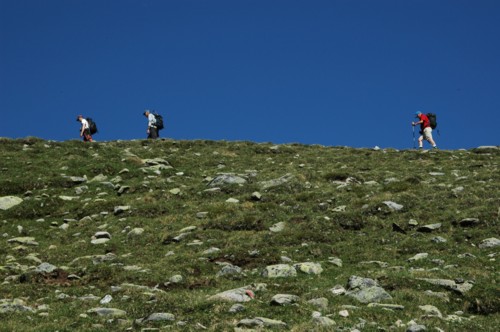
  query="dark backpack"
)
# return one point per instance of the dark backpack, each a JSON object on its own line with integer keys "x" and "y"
{"x": 432, "y": 120}
{"x": 92, "y": 126}
{"x": 159, "y": 121}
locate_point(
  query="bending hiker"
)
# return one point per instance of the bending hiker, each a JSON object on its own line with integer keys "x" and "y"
{"x": 152, "y": 129}
{"x": 425, "y": 130}
{"x": 85, "y": 129}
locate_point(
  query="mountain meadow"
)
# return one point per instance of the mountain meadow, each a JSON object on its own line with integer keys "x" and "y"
{"x": 204, "y": 235}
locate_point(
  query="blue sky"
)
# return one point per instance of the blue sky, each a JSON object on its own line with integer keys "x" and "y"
{"x": 337, "y": 73}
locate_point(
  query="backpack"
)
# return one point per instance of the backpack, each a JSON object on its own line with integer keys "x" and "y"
{"x": 159, "y": 121}
{"x": 432, "y": 120}
{"x": 92, "y": 126}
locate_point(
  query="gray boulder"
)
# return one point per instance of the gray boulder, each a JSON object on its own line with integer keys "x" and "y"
{"x": 279, "y": 271}
{"x": 489, "y": 243}
{"x": 366, "y": 290}
{"x": 7, "y": 202}
{"x": 226, "y": 179}
{"x": 284, "y": 299}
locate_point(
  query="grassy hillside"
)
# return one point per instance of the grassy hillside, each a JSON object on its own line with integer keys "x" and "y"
{"x": 143, "y": 235}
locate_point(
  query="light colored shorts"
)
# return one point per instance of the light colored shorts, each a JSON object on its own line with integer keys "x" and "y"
{"x": 428, "y": 133}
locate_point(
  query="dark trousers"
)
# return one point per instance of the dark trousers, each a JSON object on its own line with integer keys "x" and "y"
{"x": 86, "y": 136}
{"x": 153, "y": 133}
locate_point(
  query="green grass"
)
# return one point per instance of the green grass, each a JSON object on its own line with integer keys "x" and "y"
{"x": 309, "y": 204}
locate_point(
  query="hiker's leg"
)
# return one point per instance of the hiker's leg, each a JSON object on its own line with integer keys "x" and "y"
{"x": 428, "y": 136}
{"x": 154, "y": 133}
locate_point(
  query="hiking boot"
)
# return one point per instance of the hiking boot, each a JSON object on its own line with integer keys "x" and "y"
{"x": 435, "y": 148}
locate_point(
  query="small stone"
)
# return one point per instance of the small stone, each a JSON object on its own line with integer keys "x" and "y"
{"x": 309, "y": 268}
{"x": 338, "y": 290}
{"x": 439, "y": 239}
{"x": 237, "y": 308}
{"x": 175, "y": 279}
{"x": 413, "y": 222}
{"x": 418, "y": 257}
{"x": 284, "y": 299}
{"x": 121, "y": 209}
{"x": 429, "y": 228}
{"x": 106, "y": 299}
{"x": 393, "y": 206}
{"x": 320, "y": 303}
{"x": 135, "y": 232}
{"x": 201, "y": 215}
{"x": 431, "y": 311}
{"x": 489, "y": 243}
{"x": 256, "y": 196}
{"x": 7, "y": 202}
{"x": 232, "y": 200}
{"x": 108, "y": 312}
{"x": 45, "y": 268}
{"x": 279, "y": 271}
{"x": 344, "y": 313}
{"x": 175, "y": 191}
{"x": 276, "y": 228}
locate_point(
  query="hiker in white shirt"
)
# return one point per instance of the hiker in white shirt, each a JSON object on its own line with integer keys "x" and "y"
{"x": 152, "y": 129}
{"x": 85, "y": 129}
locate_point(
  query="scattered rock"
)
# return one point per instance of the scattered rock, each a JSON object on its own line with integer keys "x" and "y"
{"x": 284, "y": 299}
{"x": 226, "y": 179}
{"x": 489, "y": 243}
{"x": 276, "y": 228}
{"x": 45, "y": 268}
{"x": 469, "y": 222}
{"x": 431, "y": 311}
{"x": 461, "y": 288}
{"x": 157, "y": 317}
{"x": 393, "y": 206}
{"x": 320, "y": 303}
{"x": 238, "y": 307}
{"x": 429, "y": 228}
{"x": 366, "y": 290}
{"x": 265, "y": 185}
{"x": 418, "y": 257}
{"x": 256, "y": 196}
{"x": 279, "y": 271}
{"x": 229, "y": 270}
{"x": 135, "y": 232}
{"x": 7, "y": 202}
{"x": 107, "y": 312}
{"x": 242, "y": 294}
{"x": 120, "y": 209}
{"x": 261, "y": 322}
{"x": 28, "y": 240}
{"x": 309, "y": 268}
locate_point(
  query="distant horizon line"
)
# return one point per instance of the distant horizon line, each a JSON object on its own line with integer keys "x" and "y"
{"x": 375, "y": 148}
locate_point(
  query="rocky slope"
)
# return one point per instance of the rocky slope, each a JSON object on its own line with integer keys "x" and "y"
{"x": 223, "y": 236}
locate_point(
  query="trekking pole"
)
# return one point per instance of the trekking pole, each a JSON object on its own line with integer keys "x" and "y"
{"x": 414, "y": 147}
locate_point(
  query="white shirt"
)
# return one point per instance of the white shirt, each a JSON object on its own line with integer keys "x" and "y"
{"x": 151, "y": 120}
{"x": 85, "y": 124}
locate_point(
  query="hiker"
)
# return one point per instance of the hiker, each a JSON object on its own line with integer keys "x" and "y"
{"x": 425, "y": 130}
{"x": 152, "y": 129}
{"x": 85, "y": 129}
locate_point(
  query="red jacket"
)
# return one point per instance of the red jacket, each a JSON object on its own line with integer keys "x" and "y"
{"x": 426, "y": 123}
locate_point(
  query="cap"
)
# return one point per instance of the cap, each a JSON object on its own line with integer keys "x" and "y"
{"x": 146, "y": 111}
{"x": 78, "y": 117}
{"x": 417, "y": 114}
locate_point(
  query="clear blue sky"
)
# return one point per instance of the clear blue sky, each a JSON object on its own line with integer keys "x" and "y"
{"x": 337, "y": 72}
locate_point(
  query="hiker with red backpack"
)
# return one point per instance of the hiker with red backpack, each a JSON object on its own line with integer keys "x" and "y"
{"x": 85, "y": 129}
{"x": 425, "y": 130}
